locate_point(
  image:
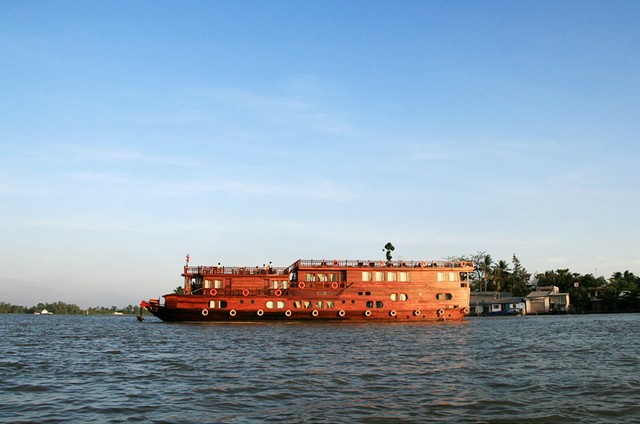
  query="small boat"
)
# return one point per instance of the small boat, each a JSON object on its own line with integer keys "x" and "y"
{"x": 320, "y": 291}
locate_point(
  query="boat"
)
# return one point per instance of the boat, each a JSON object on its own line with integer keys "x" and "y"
{"x": 320, "y": 290}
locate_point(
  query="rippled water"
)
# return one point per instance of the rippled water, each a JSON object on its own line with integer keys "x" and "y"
{"x": 114, "y": 369}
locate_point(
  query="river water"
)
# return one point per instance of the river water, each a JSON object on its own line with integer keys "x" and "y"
{"x": 535, "y": 369}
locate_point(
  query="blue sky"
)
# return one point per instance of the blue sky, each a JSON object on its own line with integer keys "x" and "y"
{"x": 133, "y": 133}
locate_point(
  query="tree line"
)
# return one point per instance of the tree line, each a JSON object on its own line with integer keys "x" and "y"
{"x": 587, "y": 293}
{"x": 61, "y": 308}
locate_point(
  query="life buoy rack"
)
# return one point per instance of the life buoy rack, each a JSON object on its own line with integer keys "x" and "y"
{"x": 232, "y": 313}
{"x": 416, "y": 312}
{"x": 423, "y": 264}
{"x": 245, "y": 292}
{"x": 367, "y": 313}
{"x": 314, "y": 313}
{"x": 205, "y": 312}
{"x": 335, "y": 262}
{"x": 463, "y": 263}
{"x": 259, "y": 312}
{"x": 213, "y": 292}
{"x": 392, "y": 313}
{"x": 334, "y": 285}
{"x": 440, "y": 312}
{"x": 341, "y": 313}
{"x": 287, "y": 313}
{"x": 301, "y": 285}
{"x": 278, "y": 293}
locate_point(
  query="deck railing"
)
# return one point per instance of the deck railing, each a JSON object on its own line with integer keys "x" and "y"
{"x": 323, "y": 263}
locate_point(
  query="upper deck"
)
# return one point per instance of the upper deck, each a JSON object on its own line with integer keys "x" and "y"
{"x": 321, "y": 264}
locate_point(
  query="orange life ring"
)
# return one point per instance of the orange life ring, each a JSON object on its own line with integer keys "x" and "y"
{"x": 245, "y": 292}
{"x": 463, "y": 263}
{"x": 334, "y": 285}
{"x": 341, "y": 313}
{"x": 278, "y": 292}
{"x": 335, "y": 262}
{"x": 213, "y": 292}
{"x": 423, "y": 264}
{"x": 301, "y": 285}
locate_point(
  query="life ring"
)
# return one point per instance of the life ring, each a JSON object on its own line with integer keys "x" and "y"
{"x": 205, "y": 312}
{"x": 334, "y": 285}
{"x": 341, "y": 313}
{"x": 213, "y": 292}
{"x": 423, "y": 264}
{"x": 335, "y": 262}
{"x": 465, "y": 311}
{"x": 287, "y": 313}
{"x": 301, "y": 285}
{"x": 463, "y": 263}
{"x": 245, "y": 292}
{"x": 367, "y": 313}
{"x": 232, "y": 313}
{"x": 440, "y": 312}
{"x": 278, "y": 292}
{"x": 259, "y": 312}
{"x": 392, "y": 312}
{"x": 314, "y": 313}
{"x": 416, "y": 312}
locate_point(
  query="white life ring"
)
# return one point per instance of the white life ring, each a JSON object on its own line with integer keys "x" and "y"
{"x": 392, "y": 312}
{"x": 416, "y": 312}
{"x": 341, "y": 313}
{"x": 232, "y": 312}
{"x": 287, "y": 313}
{"x": 440, "y": 312}
{"x": 367, "y": 313}
{"x": 315, "y": 313}
{"x": 205, "y": 312}
{"x": 260, "y": 312}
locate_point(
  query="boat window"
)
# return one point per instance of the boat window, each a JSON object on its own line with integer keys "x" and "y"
{"x": 379, "y": 276}
{"x": 369, "y": 304}
{"x": 440, "y": 296}
{"x": 398, "y": 296}
{"x": 403, "y": 276}
{"x": 207, "y": 284}
{"x": 307, "y": 304}
{"x": 403, "y": 297}
{"x": 333, "y": 277}
{"x": 310, "y": 277}
{"x": 441, "y": 276}
{"x": 280, "y": 304}
{"x": 217, "y": 284}
{"x": 297, "y": 304}
{"x": 329, "y": 304}
{"x": 216, "y": 304}
{"x": 391, "y": 276}
{"x": 448, "y": 296}
{"x": 452, "y": 276}
{"x": 323, "y": 277}
{"x": 366, "y": 276}
{"x": 394, "y": 296}
{"x": 379, "y": 304}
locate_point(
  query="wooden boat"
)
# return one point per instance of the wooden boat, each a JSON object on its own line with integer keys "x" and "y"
{"x": 321, "y": 290}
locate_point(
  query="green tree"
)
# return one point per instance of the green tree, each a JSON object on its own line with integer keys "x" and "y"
{"x": 389, "y": 248}
{"x": 518, "y": 282}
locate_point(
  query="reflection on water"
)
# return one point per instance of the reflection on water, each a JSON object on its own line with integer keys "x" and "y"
{"x": 532, "y": 369}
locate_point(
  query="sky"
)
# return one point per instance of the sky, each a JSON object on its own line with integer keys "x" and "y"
{"x": 244, "y": 132}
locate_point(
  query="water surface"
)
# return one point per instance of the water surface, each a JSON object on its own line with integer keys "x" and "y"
{"x": 545, "y": 369}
